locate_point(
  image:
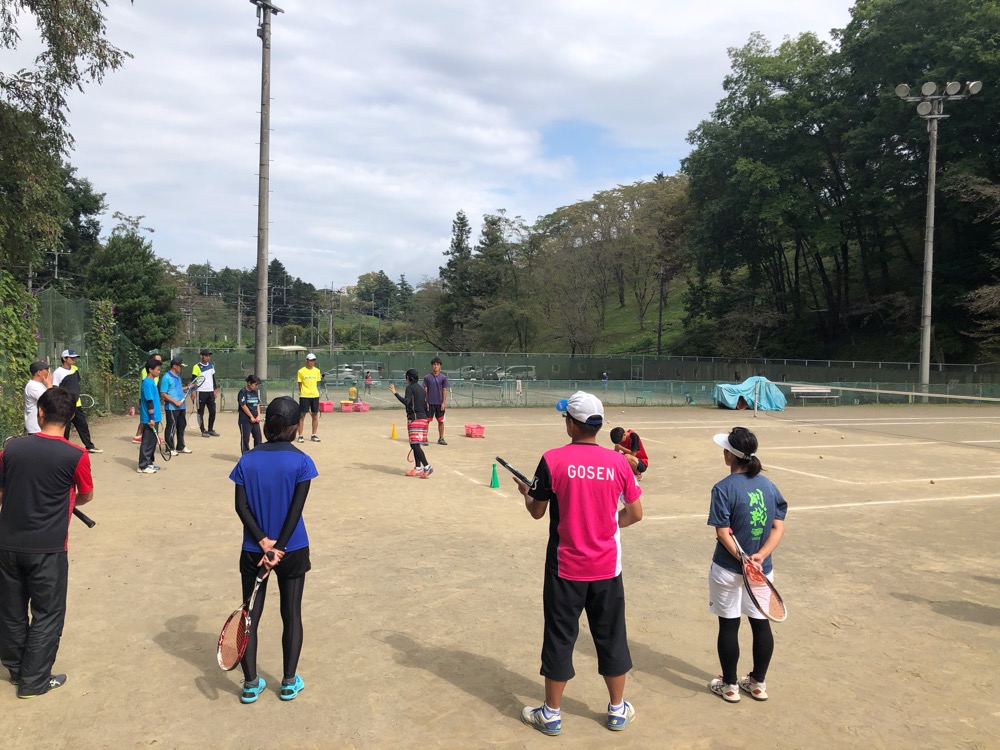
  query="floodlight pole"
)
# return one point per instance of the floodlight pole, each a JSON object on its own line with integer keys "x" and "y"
{"x": 264, "y": 11}
{"x": 931, "y": 107}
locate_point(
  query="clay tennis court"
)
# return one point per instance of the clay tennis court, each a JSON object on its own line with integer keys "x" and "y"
{"x": 423, "y": 609}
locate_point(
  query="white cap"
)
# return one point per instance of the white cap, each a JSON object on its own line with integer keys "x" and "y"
{"x": 722, "y": 440}
{"x": 69, "y": 353}
{"x": 583, "y": 407}
{"x": 310, "y": 355}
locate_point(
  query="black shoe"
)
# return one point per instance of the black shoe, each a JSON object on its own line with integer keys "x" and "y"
{"x": 55, "y": 681}
{"x": 213, "y": 433}
{"x": 204, "y": 433}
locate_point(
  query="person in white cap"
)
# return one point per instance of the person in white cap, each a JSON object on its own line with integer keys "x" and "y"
{"x": 68, "y": 377}
{"x": 308, "y": 380}
{"x": 581, "y": 485}
{"x": 753, "y": 508}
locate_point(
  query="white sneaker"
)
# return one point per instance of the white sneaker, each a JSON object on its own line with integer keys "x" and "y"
{"x": 618, "y": 720}
{"x": 174, "y": 453}
{"x": 756, "y": 690}
{"x": 535, "y": 718}
{"x": 186, "y": 450}
{"x": 730, "y": 693}
{"x": 147, "y": 470}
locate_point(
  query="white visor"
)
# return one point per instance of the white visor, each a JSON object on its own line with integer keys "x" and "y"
{"x": 722, "y": 440}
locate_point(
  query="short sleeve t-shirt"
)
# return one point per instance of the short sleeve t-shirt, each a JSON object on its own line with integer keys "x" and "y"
{"x": 308, "y": 379}
{"x": 208, "y": 370}
{"x": 583, "y": 484}
{"x": 249, "y": 399}
{"x": 749, "y": 507}
{"x": 32, "y": 392}
{"x": 269, "y": 474}
{"x": 40, "y": 476}
{"x": 150, "y": 393}
{"x": 633, "y": 443}
{"x": 172, "y": 386}
{"x": 68, "y": 378}
{"x": 435, "y": 385}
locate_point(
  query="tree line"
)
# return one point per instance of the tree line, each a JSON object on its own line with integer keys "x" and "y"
{"x": 795, "y": 226}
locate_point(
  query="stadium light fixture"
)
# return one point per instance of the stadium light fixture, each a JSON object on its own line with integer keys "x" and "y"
{"x": 930, "y": 106}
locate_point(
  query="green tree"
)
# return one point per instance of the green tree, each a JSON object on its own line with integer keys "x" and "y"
{"x": 404, "y": 298}
{"x": 457, "y": 306}
{"x": 33, "y": 125}
{"x": 127, "y": 272}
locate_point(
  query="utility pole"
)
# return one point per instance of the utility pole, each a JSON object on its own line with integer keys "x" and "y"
{"x": 57, "y": 253}
{"x": 239, "y": 318}
{"x": 264, "y": 11}
{"x": 661, "y": 276}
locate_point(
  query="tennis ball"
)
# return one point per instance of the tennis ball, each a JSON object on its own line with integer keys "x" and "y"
{"x": 932, "y": 481}
{"x": 821, "y": 457}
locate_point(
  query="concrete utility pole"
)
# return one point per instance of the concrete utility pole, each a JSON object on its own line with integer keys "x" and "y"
{"x": 239, "y": 318}
{"x": 264, "y": 11}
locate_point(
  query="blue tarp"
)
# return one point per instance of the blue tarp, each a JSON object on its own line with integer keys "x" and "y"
{"x": 770, "y": 397}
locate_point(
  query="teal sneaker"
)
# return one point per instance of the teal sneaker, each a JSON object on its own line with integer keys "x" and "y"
{"x": 618, "y": 720}
{"x": 250, "y": 692}
{"x": 288, "y": 692}
{"x": 535, "y": 718}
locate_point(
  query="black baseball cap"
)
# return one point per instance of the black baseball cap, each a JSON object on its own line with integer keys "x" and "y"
{"x": 176, "y": 361}
{"x": 285, "y": 407}
{"x": 37, "y": 367}
{"x": 203, "y": 352}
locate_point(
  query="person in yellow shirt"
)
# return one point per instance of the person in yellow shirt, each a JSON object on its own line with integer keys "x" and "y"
{"x": 308, "y": 379}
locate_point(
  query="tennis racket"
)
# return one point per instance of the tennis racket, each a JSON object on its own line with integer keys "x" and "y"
{"x": 162, "y": 445}
{"x": 86, "y": 401}
{"x": 196, "y": 383}
{"x": 236, "y": 631}
{"x": 513, "y": 471}
{"x": 84, "y": 517}
{"x": 762, "y": 592}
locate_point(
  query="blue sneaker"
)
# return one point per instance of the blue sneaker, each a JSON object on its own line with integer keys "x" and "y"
{"x": 618, "y": 720}
{"x": 250, "y": 692}
{"x": 535, "y": 718}
{"x": 288, "y": 692}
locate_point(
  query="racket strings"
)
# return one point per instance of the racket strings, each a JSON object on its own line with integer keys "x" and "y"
{"x": 233, "y": 640}
{"x": 767, "y": 599}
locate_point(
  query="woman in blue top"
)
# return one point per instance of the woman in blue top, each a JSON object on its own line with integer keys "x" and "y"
{"x": 272, "y": 482}
{"x": 754, "y": 509}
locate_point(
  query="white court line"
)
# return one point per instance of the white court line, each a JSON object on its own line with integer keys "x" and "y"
{"x": 715, "y": 424}
{"x": 885, "y": 481}
{"x": 836, "y": 506}
{"x": 476, "y": 481}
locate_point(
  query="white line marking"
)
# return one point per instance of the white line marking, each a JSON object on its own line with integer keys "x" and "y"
{"x": 835, "y": 506}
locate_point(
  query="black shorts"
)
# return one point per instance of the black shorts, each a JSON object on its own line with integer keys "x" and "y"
{"x": 641, "y": 467}
{"x": 435, "y": 411}
{"x": 308, "y": 404}
{"x": 604, "y": 601}
{"x": 293, "y": 565}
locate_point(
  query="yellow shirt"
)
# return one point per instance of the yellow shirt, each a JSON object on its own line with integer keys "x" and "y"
{"x": 309, "y": 378}
{"x": 352, "y": 393}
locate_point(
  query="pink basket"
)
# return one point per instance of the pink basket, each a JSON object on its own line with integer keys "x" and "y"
{"x": 474, "y": 430}
{"x": 364, "y": 406}
{"x": 346, "y": 408}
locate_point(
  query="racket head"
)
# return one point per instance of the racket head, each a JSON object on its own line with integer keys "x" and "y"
{"x": 233, "y": 639}
{"x": 164, "y": 450}
{"x": 764, "y": 595}
{"x": 86, "y": 401}
{"x": 197, "y": 382}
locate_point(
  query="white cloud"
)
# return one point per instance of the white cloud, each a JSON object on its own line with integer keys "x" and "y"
{"x": 389, "y": 117}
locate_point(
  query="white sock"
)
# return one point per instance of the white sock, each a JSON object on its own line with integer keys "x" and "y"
{"x": 548, "y": 712}
{"x": 617, "y": 709}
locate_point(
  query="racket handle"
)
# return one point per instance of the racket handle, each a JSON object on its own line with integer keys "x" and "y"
{"x": 84, "y": 517}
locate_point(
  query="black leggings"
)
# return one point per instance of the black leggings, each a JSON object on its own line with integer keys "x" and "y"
{"x": 291, "y": 619}
{"x": 729, "y": 648}
{"x": 419, "y": 459}
{"x": 206, "y": 398}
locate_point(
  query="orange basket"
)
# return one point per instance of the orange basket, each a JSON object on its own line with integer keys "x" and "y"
{"x": 474, "y": 430}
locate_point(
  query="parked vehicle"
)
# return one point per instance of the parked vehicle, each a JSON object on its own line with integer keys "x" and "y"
{"x": 493, "y": 373}
{"x": 343, "y": 374}
{"x": 519, "y": 372}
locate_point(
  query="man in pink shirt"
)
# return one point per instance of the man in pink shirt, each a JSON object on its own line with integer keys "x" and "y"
{"x": 581, "y": 485}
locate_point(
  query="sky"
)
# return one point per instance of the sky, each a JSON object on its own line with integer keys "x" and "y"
{"x": 389, "y": 117}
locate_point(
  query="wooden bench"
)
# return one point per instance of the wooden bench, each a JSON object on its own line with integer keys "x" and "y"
{"x": 814, "y": 391}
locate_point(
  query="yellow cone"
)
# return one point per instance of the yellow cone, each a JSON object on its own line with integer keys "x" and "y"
{"x": 393, "y": 435}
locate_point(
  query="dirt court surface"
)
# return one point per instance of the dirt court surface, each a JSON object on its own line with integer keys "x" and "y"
{"x": 423, "y": 609}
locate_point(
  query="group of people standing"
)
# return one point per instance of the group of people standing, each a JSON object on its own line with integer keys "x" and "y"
{"x": 162, "y": 400}
{"x": 590, "y": 494}
{"x": 66, "y": 376}
{"x": 423, "y": 403}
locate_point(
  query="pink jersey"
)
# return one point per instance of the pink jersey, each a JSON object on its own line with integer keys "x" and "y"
{"x": 583, "y": 484}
